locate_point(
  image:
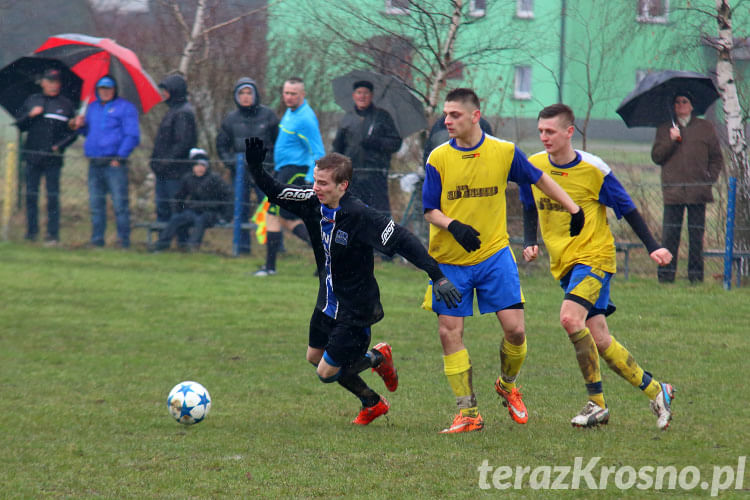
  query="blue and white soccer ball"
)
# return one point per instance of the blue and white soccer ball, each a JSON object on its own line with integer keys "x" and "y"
{"x": 189, "y": 402}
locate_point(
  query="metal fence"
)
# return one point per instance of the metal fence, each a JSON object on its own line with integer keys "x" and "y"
{"x": 641, "y": 181}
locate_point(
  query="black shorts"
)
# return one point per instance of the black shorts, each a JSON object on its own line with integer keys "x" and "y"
{"x": 343, "y": 344}
{"x": 288, "y": 174}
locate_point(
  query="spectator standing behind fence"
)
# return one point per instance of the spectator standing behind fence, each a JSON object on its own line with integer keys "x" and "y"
{"x": 47, "y": 118}
{"x": 690, "y": 156}
{"x": 369, "y": 137}
{"x": 250, "y": 119}
{"x": 176, "y": 136}
{"x": 112, "y": 132}
{"x": 203, "y": 200}
{"x": 297, "y": 147}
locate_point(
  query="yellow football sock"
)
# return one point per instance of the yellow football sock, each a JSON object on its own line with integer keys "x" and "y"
{"x": 511, "y": 359}
{"x": 457, "y": 367}
{"x": 622, "y": 363}
{"x": 588, "y": 361}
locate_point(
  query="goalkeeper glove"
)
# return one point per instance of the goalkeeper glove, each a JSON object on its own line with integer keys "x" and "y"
{"x": 445, "y": 291}
{"x": 255, "y": 153}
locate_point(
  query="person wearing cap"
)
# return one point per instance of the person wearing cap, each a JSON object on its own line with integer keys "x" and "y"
{"x": 250, "y": 119}
{"x": 46, "y": 118}
{"x": 176, "y": 136}
{"x": 688, "y": 151}
{"x": 112, "y": 133}
{"x": 369, "y": 137}
{"x": 202, "y": 200}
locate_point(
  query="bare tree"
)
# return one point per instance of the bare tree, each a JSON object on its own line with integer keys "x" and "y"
{"x": 422, "y": 42}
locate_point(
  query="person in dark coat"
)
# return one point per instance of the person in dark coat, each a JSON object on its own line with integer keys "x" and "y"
{"x": 176, "y": 136}
{"x": 203, "y": 200}
{"x": 47, "y": 119}
{"x": 250, "y": 119}
{"x": 690, "y": 157}
{"x": 369, "y": 137}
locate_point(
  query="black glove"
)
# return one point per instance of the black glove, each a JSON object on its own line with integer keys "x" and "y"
{"x": 465, "y": 235}
{"x": 255, "y": 153}
{"x": 445, "y": 291}
{"x": 576, "y": 222}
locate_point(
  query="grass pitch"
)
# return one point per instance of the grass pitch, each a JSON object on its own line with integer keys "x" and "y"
{"x": 91, "y": 341}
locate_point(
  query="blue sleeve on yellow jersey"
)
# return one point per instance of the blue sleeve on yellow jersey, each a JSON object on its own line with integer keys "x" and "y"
{"x": 431, "y": 189}
{"x": 521, "y": 171}
{"x": 613, "y": 195}
{"x": 526, "y": 195}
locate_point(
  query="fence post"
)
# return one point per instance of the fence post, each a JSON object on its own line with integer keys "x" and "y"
{"x": 729, "y": 243}
{"x": 10, "y": 187}
{"x": 239, "y": 194}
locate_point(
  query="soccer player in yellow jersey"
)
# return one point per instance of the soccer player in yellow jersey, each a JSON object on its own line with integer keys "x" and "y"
{"x": 464, "y": 202}
{"x": 585, "y": 264}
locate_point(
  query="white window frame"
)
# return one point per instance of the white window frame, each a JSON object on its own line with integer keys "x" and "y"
{"x": 644, "y": 17}
{"x": 475, "y": 11}
{"x": 390, "y": 8}
{"x": 522, "y": 82}
{"x": 525, "y": 9}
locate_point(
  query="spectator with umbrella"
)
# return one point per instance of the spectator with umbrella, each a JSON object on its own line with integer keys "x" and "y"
{"x": 112, "y": 132}
{"x": 688, "y": 151}
{"x": 47, "y": 117}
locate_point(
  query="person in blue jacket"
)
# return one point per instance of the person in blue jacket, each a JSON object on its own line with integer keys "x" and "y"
{"x": 112, "y": 132}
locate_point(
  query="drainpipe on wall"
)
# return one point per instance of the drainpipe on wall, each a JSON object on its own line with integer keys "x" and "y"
{"x": 563, "y": 15}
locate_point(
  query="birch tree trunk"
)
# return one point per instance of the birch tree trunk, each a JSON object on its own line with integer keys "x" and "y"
{"x": 195, "y": 33}
{"x": 735, "y": 127}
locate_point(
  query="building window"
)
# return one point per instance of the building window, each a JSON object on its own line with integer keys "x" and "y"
{"x": 523, "y": 83}
{"x": 653, "y": 11}
{"x": 477, "y": 8}
{"x": 525, "y": 9}
{"x": 399, "y": 7}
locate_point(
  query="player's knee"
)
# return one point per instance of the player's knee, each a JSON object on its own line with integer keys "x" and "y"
{"x": 313, "y": 358}
{"x": 571, "y": 323}
{"x": 515, "y": 335}
{"x": 328, "y": 374}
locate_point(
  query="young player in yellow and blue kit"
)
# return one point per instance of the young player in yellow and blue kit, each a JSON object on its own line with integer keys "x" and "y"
{"x": 585, "y": 264}
{"x": 464, "y": 201}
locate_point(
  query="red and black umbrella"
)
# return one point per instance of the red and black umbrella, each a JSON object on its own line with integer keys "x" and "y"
{"x": 91, "y": 58}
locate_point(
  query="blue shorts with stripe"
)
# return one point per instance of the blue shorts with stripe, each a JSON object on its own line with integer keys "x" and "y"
{"x": 589, "y": 287}
{"x": 495, "y": 281}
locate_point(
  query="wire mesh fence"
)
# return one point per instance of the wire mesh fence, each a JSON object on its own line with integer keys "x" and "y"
{"x": 642, "y": 182}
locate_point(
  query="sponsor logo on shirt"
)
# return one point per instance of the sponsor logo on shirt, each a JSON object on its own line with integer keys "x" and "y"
{"x": 469, "y": 156}
{"x": 466, "y": 192}
{"x": 547, "y": 204}
{"x": 293, "y": 194}
{"x": 556, "y": 172}
{"x": 387, "y": 232}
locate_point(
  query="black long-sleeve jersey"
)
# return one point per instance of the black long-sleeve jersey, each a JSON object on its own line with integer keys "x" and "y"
{"x": 343, "y": 240}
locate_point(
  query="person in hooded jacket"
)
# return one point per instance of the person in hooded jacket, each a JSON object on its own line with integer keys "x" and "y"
{"x": 176, "y": 136}
{"x": 203, "y": 200}
{"x": 112, "y": 133}
{"x": 250, "y": 119}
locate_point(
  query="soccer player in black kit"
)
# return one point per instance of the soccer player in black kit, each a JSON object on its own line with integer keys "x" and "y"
{"x": 343, "y": 232}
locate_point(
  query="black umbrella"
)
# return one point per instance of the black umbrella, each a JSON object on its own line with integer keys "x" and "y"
{"x": 389, "y": 93}
{"x": 651, "y": 103}
{"x": 19, "y": 79}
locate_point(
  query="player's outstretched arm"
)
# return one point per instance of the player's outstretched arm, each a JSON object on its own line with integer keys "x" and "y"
{"x": 554, "y": 191}
{"x": 658, "y": 254}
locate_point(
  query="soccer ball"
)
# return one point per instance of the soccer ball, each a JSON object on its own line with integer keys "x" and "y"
{"x": 189, "y": 402}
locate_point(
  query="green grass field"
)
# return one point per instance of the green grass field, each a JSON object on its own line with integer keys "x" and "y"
{"x": 91, "y": 342}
